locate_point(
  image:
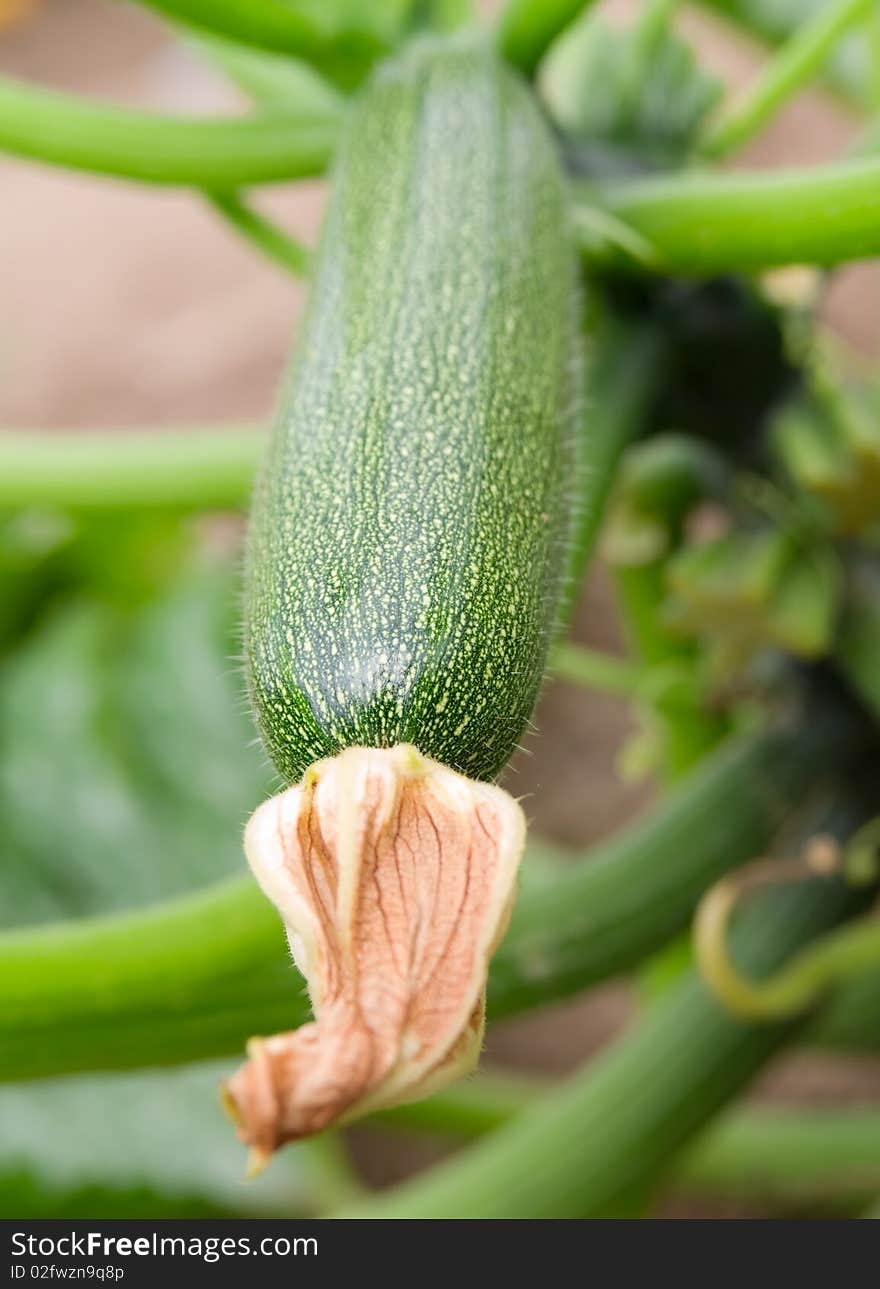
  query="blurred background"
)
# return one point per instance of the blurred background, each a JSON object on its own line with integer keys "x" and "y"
{"x": 123, "y": 306}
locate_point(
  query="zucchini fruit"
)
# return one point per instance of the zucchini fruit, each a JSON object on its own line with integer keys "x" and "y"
{"x": 411, "y": 521}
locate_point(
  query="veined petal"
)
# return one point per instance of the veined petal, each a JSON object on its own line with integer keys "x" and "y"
{"x": 395, "y": 877}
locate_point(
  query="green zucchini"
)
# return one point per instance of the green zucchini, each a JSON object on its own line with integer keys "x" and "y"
{"x": 412, "y": 517}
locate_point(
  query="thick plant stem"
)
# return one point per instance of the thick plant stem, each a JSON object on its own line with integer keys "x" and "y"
{"x": 599, "y": 1143}
{"x": 843, "y": 954}
{"x": 468, "y": 1109}
{"x": 226, "y": 153}
{"x": 275, "y": 244}
{"x": 137, "y": 989}
{"x": 822, "y": 1157}
{"x": 784, "y": 1157}
{"x": 333, "y": 1181}
{"x": 214, "y": 466}
{"x": 527, "y": 29}
{"x": 793, "y": 66}
{"x": 851, "y": 1019}
{"x": 654, "y": 18}
{"x": 710, "y": 223}
{"x": 339, "y": 38}
{"x": 602, "y": 917}
{"x": 190, "y": 469}
{"x": 873, "y": 95}
{"x": 195, "y": 977}
{"x": 266, "y": 24}
{"x": 451, "y": 15}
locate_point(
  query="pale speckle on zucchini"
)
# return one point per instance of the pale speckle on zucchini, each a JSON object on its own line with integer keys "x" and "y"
{"x": 412, "y": 517}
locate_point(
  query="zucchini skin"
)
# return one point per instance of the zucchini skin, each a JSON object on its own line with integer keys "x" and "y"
{"x": 413, "y": 514}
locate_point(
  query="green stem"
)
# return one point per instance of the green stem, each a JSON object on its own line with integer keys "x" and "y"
{"x": 214, "y": 467}
{"x": 596, "y": 1145}
{"x": 709, "y": 223}
{"x": 650, "y": 27}
{"x": 266, "y": 24}
{"x": 792, "y": 67}
{"x": 782, "y": 1157}
{"x": 654, "y": 18}
{"x": 631, "y": 894}
{"x": 776, "y": 24}
{"x": 275, "y": 244}
{"x": 527, "y": 29}
{"x": 195, "y": 977}
{"x": 841, "y": 955}
{"x": 210, "y": 468}
{"x": 332, "y": 1178}
{"x": 340, "y": 37}
{"x": 640, "y": 591}
{"x": 219, "y": 153}
{"x": 450, "y": 15}
{"x": 624, "y": 364}
{"x": 874, "y": 62}
{"x": 138, "y": 989}
{"x": 788, "y": 1157}
{"x": 468, "y": 1109}
{"x": 596, "y": 670}
{"x": 851, "y": 1019}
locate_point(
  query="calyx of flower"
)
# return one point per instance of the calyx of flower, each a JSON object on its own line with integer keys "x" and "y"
{"x": 395, "y": 877}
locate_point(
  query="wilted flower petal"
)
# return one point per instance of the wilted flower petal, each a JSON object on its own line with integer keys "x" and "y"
{"x": 395, "y": 877}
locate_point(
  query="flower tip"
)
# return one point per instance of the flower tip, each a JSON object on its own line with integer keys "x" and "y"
{"x": 230, "y": 1105}
{"x": 251, "y": 1100}
{"x": 256, "y": 1162}
{"x": 395, "y": 876}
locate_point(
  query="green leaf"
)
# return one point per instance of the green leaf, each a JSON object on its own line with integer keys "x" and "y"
{"x": 659, "y": 483}
{"x": 745, "y": 591}
{"x": 127, "y": 770}
{"x": 150, "y": 1144}
{"x": 832, "y": 453}
{"x": 126, "y": 774}
{"x": 30, "y": 545}
{"x": 626, "y": 100}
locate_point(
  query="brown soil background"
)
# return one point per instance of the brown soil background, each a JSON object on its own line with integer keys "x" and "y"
{"x": 124, "y": 305}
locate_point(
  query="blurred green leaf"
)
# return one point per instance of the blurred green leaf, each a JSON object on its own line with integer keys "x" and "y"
{"x": 832, "y": 453}
{"x": 150, "y": 1144}
{"x": 660, "y": 482}
{"x": 626, "y": 100}
{"x": 127, "y": 770}
{"x": 747, "y": 590}
{"x": 31, "y": 542}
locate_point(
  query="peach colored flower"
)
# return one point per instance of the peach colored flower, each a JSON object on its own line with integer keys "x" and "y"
{"x": 395, "y": 877}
